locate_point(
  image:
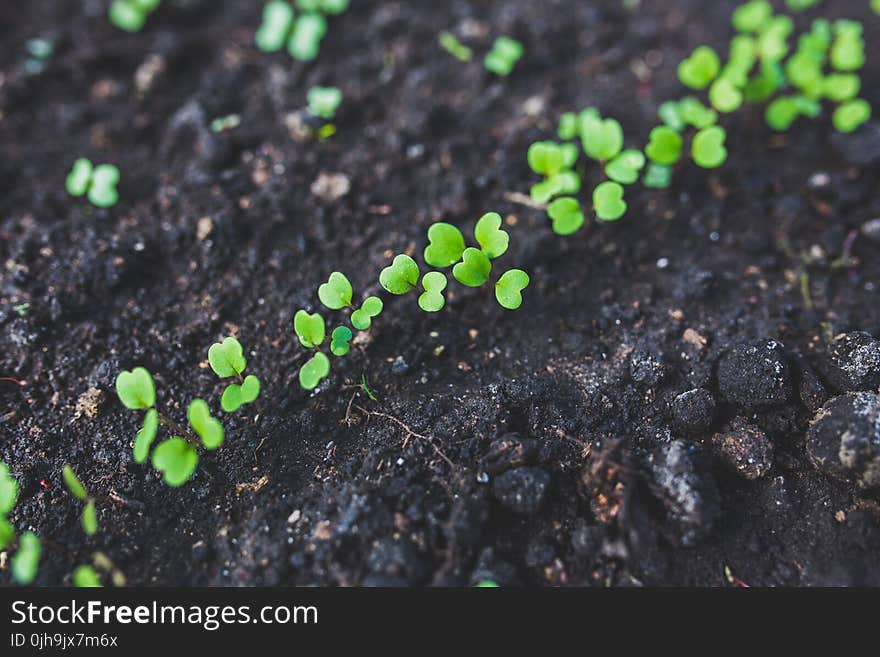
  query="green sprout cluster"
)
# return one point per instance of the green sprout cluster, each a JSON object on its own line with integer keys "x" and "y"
{"x": 177, "y": 457}
{"x": 39, "y": 51}
{"x": 471, "y": 266}
{"x": 27, "y": 556}
{"x": 503, "y": 56}
{"x": 97, "y": 183}
{"x": 299, "y": 29}
{"x": 89, "y": 516}
{"x": 759, "y": 69}
{"x": 130, "y": 15}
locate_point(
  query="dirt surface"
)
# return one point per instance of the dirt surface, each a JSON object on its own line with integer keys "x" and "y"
{"x": 641, "y": 420}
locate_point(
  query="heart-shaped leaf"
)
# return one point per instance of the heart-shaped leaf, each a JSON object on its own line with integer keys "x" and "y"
{"x": 841, "y": 86}
{"x": 339, "y": 340}
{"x": 74, "y": 485}
{"x": 474, "y": 268}
{"x": 85, "y": 577}
{"x": 566, "y": 215}
{"x": 227, "y": 358}
{"x": 724, "y": 96}
{"x": 489, "y": 235}
{"x": 305, "y": 39}
{"x": 27, "y": 559}
{"x": 313, "y": 370}
{"x": 608, "y": 201}
{"x": 432, "y": 300}
{"x": 698, "y": 70}
{"x": 695, "y": 114}
{"x": 309, "y": 328}
{"x": 503, "y": 56}
{"x": 508, "y": 289}
{"x": 851, "y": 114}
{"x": 751, "y": 16}
{"x": 8, "y": 490}
{"x": 102, "y": 191}
{"x": 669, "y": 114}
{"x": 549, "y": 158}
{"x": 773, "y": 38}
{"x": 602, "y": 139}
{"x": 401, "y": 276}
{"x": 209, "y": 429}
{"x": 176, "y": 459}
{"x": 89, "y": 519}
{"x": 273, "y": 31}
{"x": 445, "y": 245}
{"x": 336, "y": 292}
{"x": 235, "y": 395}
{"x": 324, "y": 101}
{"x": 664, "y": 146}
{"x": 79, "y": 177}
{"x": 146, "y": 436}
{"x": 708, "y": 147}
{"x": 135, "y": 389}
{"x": 362, "y": 318}
{"x": 625, "y": 167}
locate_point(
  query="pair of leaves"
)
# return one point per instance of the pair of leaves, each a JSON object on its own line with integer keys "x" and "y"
{"x": 136, "y": 389}
{"x": 851, "y": 114}
{"x": 433, "y": 284}
{"x": 625, "y": 167}
{"x": 503, "y": 56}
{"x": 98, "y": 183}
{"x": 664, "y": 146}
{"x": 130, "y": 15}
{"x": 227, "y": 360}
{"x": 176, "y": 459}
{"x": 27, "y": 559}
{"x": 446, "y": 244}
{"x": 554, "y": 162}
{"x": 700, "y": 69}
{"x": 280, "y": 26}
{"x": 208, "y": 428}
{"x": 608, "y": 201}
{"x": 339, "y": 340}
{"x": 314, "y": 370}
{"x": 602, "y": 139}
{"x": 337, "y": 293}
{"x": 708, "y": 148}
{"x": 783, "y": 111}
{"x": 362, "y": 318}
{"x": 401, "y": 276}
{"x": 89, "y": 517}
{"x": 324, "y": 101}
{"x": 309, "y": 328}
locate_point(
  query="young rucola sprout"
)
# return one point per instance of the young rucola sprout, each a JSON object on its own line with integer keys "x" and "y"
{"x": 471, "y": 266}
{"x": 89, "y": 517}
{"x": 301, "y": 33}
{"x": 97, "y": 183}
{"x": 28, "y": 548}
{"x": 324, "y": 101}
{"x": 503, "y": 56}
{"x": 130, "y": 15}
{"x": 177, "y": 457}
{"x": 755, "y": 70}
{"x": 454, "y": 47}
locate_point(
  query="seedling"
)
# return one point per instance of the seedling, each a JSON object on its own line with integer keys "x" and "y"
{"x": 474, "y": 268}
{"x": 227, "y": 360}
{"x": 504, "y": 55}
{"x": 602, "y": 139}
{"x": 851, "y": 114}
{"x": 554, "y": 162}
{"x": 566, "y": 215}
{"x": 301, "y": 34}
{"x": 608, "y": 201}
{"x": 751, "y": 16}
{"x": 454, "y": 47}
{"x": 309, "y": 328}
{"x": 39, "y": 51}
{"x": 362, "y": 318}
{"x": 340, "y": 339}
{"x": 401, "y": 276}
{"x": 433, "y": 284}
{"x": 130, "y": 15}
{"x": 313, "y": 371}
{"x": 698, "y": 70}
{"x": 664, "y": 146}
{"x": 445, "y": 245}
{"x": 626, "y": 166}
{"x": 86, "y": 577}
{"x": 800, "y": 5}
{"x": 508, "y": 289}
{"x": 98, "y": 183}
{"x": 324, "y": 101}
{"x": 27, "y": 556}
{"x": 89, "y": 517}
{"x": 708, "y": 148}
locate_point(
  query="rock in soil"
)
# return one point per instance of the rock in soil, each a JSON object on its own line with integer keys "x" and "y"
{"x": 508, "y": 452}
{"x": 522, "y": 490}
{"x": 693, "y": 411}
{"x": 844, "y": 438}
{"x": 755, "y": 375}
{"x": 852, "y": 362}
{"x": 745, "y": 448}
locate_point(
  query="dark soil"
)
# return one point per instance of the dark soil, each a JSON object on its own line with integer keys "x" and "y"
{"x": 560, "y": 444}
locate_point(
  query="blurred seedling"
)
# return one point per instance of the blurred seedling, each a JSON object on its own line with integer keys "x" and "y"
{"x": 555, "y": 162}
{"x": 90, "y": 576}
{"x": 89, "y": 516}
{"x": 324, "y": 101}
{"x": 227, "y": 360}
{"x": 130, "y": 15}
{"x": 39, "y": 51}
{"x": 503, "y": 56}
{"x": 454, "y": 47}
{"x": 97, "y": 183}
{"x": 25, "y": 562}
{"x": 300, "y": 33}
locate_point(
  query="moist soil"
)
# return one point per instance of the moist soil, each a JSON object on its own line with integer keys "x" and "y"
{"x": 641, "y": 420}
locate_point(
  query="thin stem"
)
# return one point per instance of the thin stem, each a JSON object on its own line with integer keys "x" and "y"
{"x": 179, "y": 429}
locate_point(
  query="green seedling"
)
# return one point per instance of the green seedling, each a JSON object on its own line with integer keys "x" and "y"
{"x": 27, "y": 556}
{"x": 309, "y": 328}
{"x": 176, "y": 459}
{"x": 708, "y": 148}
{"x": 725, "y": 96}
{"x": 454, "y": 47}
{"x": 751, "y": 16}
{"x": 336, "y": 293}
{"x": 227, "y": 360}
{"x": 39, "y": 52}
{"x": 208, "y": 428}
{"x": 508, "y": 289}
{"x": 670, "y": 116}
{"x": 89, "y": 517}
{"x": 566, "y": 214}
{"x": 608, "y": 201}
{"x": 554, "y": 162}
{"x": 339, "y": 340}
{"x": 324, "y": 101}
{"x": 445, "y": 245}
{"x": 762, "y": 86}
{"x": 695, "y": 114}
{"x": 840, "y": 87}
{"x": 86, "y": 577}
{"x": 851, "y": 114}
{"x": 773, "y": 38}
{"x": 474, "y": 268}
{"x": 313, "y": 371}
{"x": 330, "y": 7}
{"x": 130, "y": 15}
{"x": 602, "y": 139}
{"x": 626, "y": 166}
{"x": 492, "y": 239}
{"x": 224, "y": 123}
{"x": 698, "y": 70}
{"x": 848, "y": 50}
{"x": 301, "y": 34}
{"x": 275, "y": 29}
{"x": 305, "y": 40}
{"x": 664, "y": 146}
{"x": 362, "y": 318}
{"x": 657, "y": 176}
{"x": 401, "y": 276}
{"x": 783, "y": 111}
{"x": 433, "y": 284}
{"x": 504, "y": 55}
{"x": 98, "y": 183}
